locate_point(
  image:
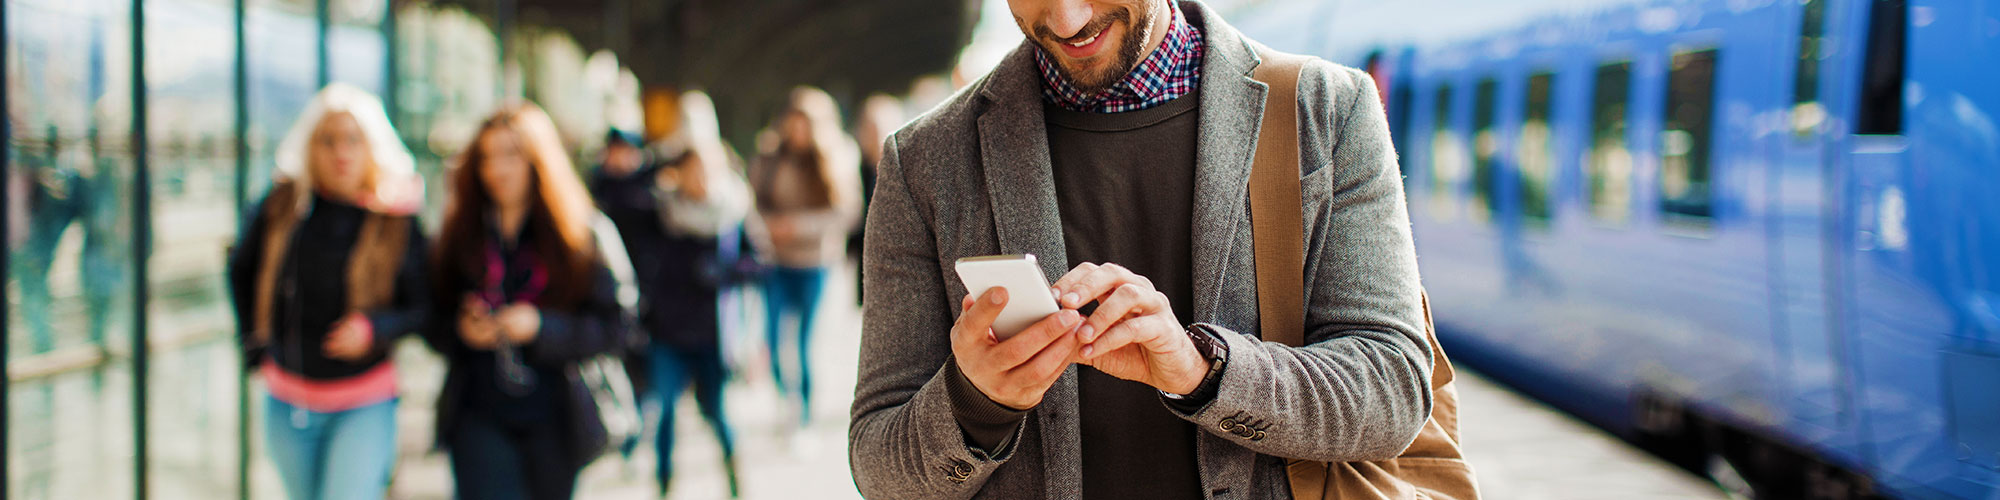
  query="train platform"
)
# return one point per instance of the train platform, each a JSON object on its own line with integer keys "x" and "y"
{"x": 1520, "y": 448}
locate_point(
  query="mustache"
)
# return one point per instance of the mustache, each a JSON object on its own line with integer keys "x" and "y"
{"x": 1093, "y": 29}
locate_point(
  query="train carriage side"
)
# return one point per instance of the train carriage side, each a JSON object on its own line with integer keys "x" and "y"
{"x": 1681, "y": 221}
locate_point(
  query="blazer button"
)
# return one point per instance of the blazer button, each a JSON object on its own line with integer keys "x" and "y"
{"x": 958, "y": 471}
{"x": 1243, "y": 432}
{"x": 1228, "y": 425}
{"x": 1257, "y": 436}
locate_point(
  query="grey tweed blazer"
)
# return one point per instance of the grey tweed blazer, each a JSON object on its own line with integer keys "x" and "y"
{"x": 972, "y": 177}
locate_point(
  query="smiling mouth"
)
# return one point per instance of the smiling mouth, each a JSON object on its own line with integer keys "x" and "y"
{"x": 1086, "y": 41}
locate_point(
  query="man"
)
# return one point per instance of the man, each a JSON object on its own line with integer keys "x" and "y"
{"x": 1116, "y": 145}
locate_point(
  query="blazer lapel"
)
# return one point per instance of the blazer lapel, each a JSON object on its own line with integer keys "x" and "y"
{"x": 1014, "y": 155}
{"x": 1020, "y": 186}
{"x": 1232, "y": 107}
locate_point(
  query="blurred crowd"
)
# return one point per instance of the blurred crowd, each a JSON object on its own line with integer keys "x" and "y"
{"x": 573, "y": 307}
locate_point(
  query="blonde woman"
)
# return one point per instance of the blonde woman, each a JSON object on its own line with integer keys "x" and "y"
{"x": 327, "y": 274}
{"x": 808, "y": 195}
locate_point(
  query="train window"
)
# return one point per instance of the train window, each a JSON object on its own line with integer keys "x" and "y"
{"x": 1684, "y": 138}
{"x": 1537, "y": 158}
{"x": 1882, "y": 78}
{"x": 1608, "y": 168}
{"x": 1807, "y": 113}
{"x": 1447, "y": 161}
{"x": 1485, "y": 149}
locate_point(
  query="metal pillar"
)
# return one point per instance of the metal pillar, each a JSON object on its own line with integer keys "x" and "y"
{"x": 325, "y": 27}
{"x": 6, "y": 170}
{"x": 142, "y": 235}
{"x": 241, "y": 84}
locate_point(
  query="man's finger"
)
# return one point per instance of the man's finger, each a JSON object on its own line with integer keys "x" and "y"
{"x": 1049, "y": 363}
{"x": 1099, "y": 283}
{"x": 1127, "y": 301}
{"x": 1118, "y": 337}
{"x": 1016, "y": 350}
{"x": 974, "y": 323}
{"x": 1068, "y": 281}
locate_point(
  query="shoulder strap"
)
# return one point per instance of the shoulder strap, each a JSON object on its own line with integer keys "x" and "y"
{"x": 1277, "y": 212}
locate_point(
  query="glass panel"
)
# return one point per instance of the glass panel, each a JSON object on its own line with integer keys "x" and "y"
{"x": 69, "y": 79}
{"x": 193, "y": 430}
{"x": 282, "y": 45}
{"x": 359, "y": 55}
{"x": 1536, "y": 157}
{"x": 1447, "y": 157}
{"x": 1684, "y": 139}
{"x": 449, "y": 64}
{"x": 1485, "y": 150}
{"x": 1608, "y": 169}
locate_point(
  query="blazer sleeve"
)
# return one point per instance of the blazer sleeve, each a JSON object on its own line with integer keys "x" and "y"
{"x": 1359, "y": 390}
{"x": 903, "y": 439}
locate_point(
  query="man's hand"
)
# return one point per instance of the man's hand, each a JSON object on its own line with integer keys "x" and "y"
{"x": 350, "y": 339}
{"x": 476, "y": 325}
{"x": 1017, "y": 371}
{"x": 1133, "y": 334}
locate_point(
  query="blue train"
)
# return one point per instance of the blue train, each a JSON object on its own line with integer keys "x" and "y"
{"x": 1761, "y": 237}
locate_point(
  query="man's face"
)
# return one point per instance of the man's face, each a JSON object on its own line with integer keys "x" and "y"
{"x": 1093, "y": 43}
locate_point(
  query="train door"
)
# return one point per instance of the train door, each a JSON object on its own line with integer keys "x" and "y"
{"x": 1802, "y": 212}
{"x": 1918, "y": 248}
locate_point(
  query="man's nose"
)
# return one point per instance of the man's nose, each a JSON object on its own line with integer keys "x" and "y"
{"x": 1068, "y": 17}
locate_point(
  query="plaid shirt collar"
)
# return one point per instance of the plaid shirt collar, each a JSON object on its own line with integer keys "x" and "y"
{"x": 1170, "y": 72}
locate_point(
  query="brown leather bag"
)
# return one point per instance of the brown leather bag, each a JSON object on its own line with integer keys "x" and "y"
{"x": 1433, "y": 467}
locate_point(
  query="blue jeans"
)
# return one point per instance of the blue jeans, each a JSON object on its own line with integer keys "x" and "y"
{"x": 346, "y": 455}
{"x": 673, "y": 371}
{"x": 795, "y": 291}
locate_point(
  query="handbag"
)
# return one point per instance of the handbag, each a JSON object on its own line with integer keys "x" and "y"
{"x": 603, "y": 376}
{"x": 1433, "y": 466}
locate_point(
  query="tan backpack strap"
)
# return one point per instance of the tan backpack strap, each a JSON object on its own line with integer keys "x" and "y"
{"x": 1277, "y": 213}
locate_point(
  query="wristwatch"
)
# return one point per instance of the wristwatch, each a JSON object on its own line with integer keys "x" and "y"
{"x": 1216, "y": 352}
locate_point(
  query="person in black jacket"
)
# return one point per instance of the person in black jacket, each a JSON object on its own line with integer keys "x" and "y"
{"x": 675, "y": 218}
{"x": 523, "y": 297}
{"x": 326, "y": 276}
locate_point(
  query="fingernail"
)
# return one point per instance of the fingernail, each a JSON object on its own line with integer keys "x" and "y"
{"x": 995, "y": 298}
{"x": 1086, "y": 333}
{"x": 1069, "y": 317}
{"x": 1087, "y": 350}
{"x": 1069, "y": 299}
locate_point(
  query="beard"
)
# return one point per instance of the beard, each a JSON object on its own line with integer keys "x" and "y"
{"x": 1092, "y": 81}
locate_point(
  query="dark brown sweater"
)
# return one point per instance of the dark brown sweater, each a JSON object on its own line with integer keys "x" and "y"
{"x": 1125, "y": 189}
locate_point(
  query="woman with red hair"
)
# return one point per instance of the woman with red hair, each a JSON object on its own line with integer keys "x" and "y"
{"x": 524, "y": 295}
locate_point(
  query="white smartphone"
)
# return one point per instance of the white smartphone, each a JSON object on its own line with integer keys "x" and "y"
{"x": 1028, "y": 296}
